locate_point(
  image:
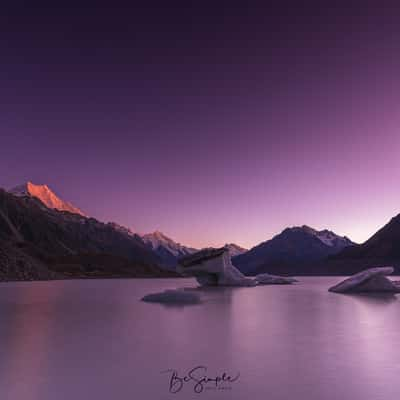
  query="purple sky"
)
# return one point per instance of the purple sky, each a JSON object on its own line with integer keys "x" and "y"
{"x": 212, "y": 124}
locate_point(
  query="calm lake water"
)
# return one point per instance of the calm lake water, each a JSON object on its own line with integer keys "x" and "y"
{"x": 94, "y": 339}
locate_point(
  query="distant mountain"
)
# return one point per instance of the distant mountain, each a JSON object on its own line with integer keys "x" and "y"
{"x": 167, "y": 249}
{"x": 234, "y": 249}
{"x": 46, "y": 196}
{"x": 291, "y": 250}
{"x": 170, "y": 251}
{"x": 38, "y": 242}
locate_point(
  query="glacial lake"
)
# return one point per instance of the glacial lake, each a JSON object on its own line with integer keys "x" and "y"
{"x": 94, "y": 339}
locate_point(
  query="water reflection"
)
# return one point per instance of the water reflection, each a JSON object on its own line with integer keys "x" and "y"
{"x": 210, "y": 294}
{"x": 26, "y": 328}
{"x": 96, "y": 339}
{"x": 373, "y": 298}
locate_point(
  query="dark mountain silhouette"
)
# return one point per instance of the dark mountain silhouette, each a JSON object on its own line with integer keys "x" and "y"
{"x": 293, "y": 251}
{"x": 383, "y": 247}
{"x": 50, "y": 243}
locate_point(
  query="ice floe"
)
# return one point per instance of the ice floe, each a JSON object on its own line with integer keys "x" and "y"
{"x": 372, "y": 280}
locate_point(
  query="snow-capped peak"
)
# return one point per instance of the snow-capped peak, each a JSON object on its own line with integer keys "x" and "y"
{"x": 327, "y": 237}
{"x": 158, "y": 240}
{"x": 46, "y": 196}
{"x": 234, "y": 249}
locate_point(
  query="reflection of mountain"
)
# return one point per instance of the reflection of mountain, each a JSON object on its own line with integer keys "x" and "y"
{"x": 291, "y": 250}
{"x": 39, "y": 242}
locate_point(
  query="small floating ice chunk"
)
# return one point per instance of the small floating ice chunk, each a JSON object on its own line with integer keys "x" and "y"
{"x": 372, "y": 280}
{"x": 172, "y": 296}
{"x": 267, "y": 279}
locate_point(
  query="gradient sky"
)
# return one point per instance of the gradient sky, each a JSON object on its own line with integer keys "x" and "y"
{"x": 211, "y": 122}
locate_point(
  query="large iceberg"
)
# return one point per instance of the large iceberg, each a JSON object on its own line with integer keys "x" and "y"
{"x": 372, "y": 280}
{"x": 213, "y": 267}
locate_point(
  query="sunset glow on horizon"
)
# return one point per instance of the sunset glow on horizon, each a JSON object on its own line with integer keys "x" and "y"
{"x": 225, "y": 134}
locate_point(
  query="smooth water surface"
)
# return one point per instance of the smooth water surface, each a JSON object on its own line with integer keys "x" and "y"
{"x": 94, "y": 339}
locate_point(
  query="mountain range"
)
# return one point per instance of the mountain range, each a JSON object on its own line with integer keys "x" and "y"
{"x": 37, "y": 242}
{"x": 45, "y": 237}
{"x": 167, "y": 250}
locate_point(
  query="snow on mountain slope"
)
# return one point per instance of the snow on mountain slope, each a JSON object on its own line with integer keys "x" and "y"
{"x": 46, "y": 196}
{"x": 328, "y": 237}
{"x": 166, "y": 248}
{"x": 234, "y": 249}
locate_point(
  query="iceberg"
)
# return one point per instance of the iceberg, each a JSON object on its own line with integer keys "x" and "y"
{"x": 372, "y": 280}
{"x": 213, "y": 267}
